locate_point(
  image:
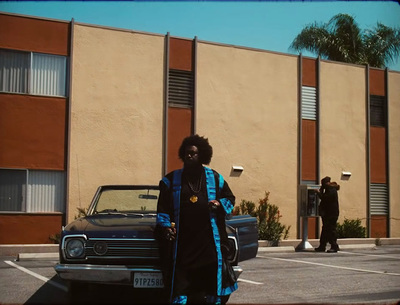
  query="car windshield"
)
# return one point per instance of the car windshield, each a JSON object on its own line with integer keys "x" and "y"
{"x": 127, "y": 201}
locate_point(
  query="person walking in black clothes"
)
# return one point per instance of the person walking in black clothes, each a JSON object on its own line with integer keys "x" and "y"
{"x": 329, "y": 212}
{"x": 192, "y": 206}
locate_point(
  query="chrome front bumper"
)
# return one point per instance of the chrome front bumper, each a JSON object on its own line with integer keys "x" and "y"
{"x": 106, "y": 274}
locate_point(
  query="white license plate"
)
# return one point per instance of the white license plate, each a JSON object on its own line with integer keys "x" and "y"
{"x": 148, "y": 280}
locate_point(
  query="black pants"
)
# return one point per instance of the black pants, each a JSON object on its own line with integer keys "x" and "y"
{"x": 328, "y": 233}
{"x": 196, "y": 283}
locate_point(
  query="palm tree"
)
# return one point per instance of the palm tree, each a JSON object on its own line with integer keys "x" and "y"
{"x": 341, "y": 39}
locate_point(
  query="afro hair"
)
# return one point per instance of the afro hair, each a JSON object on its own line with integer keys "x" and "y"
{"x": 205, "y": 149}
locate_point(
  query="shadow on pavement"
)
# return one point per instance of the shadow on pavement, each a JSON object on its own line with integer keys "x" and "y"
{"x": 58, "y": 292}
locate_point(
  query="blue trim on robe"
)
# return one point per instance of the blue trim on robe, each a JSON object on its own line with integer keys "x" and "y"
{"x": 227, "y": 204}
{"x": 166, "y": 181}
{"x": 212, "y": 195}
{"x": 181, "y": 299}
{"x": 163, "y": 220}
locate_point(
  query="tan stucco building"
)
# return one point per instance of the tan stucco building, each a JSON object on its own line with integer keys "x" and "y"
{"x": 130, "y": 98}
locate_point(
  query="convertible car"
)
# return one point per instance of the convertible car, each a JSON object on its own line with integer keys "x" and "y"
{"x": 115, "y": 243}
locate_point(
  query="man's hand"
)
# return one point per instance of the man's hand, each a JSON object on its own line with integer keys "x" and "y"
{"x": 213, "y": 205}
{"x": 169, "y": 233}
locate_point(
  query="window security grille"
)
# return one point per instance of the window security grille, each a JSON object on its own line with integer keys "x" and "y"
{"x": 308, "y": 103}
{"x": 379, "y": 199}
{"x": 180, "y": 88}
{"x": 378, "y": 111}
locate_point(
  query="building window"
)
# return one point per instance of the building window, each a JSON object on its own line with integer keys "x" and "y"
{"x": 378, "y": 110}
{"x": 31, "y": 191}
{"x": 32, "y": 73}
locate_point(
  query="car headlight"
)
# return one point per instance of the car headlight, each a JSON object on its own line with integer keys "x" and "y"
{"x": 75, "y": 248}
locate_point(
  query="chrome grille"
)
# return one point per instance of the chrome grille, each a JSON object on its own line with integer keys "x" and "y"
{"x": 125, "y": 248}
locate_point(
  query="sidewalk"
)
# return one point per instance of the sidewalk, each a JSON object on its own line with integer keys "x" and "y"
{"x": 344, "y": 244}
{"x": 50, "y": 251}
{"x": 341, "y": 242}
{"x": 290, "y": 245}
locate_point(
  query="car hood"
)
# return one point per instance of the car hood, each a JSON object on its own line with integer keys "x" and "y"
{"x": 113, "y": 226}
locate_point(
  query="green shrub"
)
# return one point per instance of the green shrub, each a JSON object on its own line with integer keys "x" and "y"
{"x": 351, "y": 229}
{"x": 268, "y": 219}
{"x": 245, "y": 208}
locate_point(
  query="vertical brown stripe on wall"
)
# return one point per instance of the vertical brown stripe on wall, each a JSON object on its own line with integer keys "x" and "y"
{"x": 379, "y": 226}
{"x": 309, "y": 150}
{"x": 181, "y": 54}
{"x": 309, "y": 72}
{"x": 378, "y": 145}
{"x": 180, "y": 119}
{"x": 309, "y": 130}
{"x": 178, "y": 128}
{"x": 309, "y": 139}
{"x": 378, "y": 152}
{"x": 377, "y": 82}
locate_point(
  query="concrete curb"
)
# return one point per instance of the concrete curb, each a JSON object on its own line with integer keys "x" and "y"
{"x": 37, "y": 256}
{"x": 276, "y": 249}
{"x": 14, "y": 250}
{"x": 359, "y": 246}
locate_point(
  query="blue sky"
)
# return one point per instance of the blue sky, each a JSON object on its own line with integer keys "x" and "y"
{"x": 268, "y": 25}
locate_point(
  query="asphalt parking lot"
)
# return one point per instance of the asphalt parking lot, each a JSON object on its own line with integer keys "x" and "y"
{"x": 357, "y": 276}
{"x": 351, "y": 276}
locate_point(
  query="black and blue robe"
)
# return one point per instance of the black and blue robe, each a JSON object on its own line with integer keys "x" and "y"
{"x": 200, "y": 230}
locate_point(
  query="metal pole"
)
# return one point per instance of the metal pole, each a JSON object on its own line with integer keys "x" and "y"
{"x": 304, "y": 204}
{"x": 304, "y": 245}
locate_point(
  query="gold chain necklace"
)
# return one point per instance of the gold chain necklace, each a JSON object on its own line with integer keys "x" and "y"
{"x": 194, "y": 198}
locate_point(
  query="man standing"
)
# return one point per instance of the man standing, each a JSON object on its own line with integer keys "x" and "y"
{"x": 329, "y": 212}
{"x": 191, "y": 212}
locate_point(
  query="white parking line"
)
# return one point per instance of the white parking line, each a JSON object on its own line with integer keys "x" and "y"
{"x": 330, "y": 266}
{"x": 38, "y": 276}
{"x": 376, "y": 255}
{"x": 250, "y": 282}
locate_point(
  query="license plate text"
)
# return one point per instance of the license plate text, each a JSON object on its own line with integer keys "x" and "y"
{"x": 148, "y": 280}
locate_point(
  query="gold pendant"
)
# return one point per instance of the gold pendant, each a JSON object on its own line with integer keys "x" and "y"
{"x": 193, "y": 199}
